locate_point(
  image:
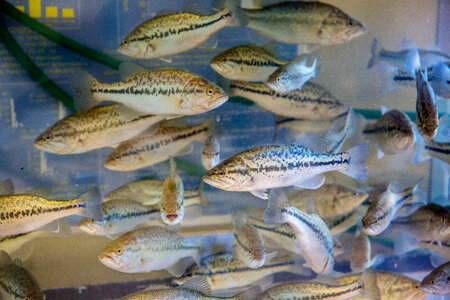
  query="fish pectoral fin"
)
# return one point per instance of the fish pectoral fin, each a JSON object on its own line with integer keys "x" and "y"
{"x": 311, "y": 182}
{"x": 165, "y": 12}
{"x": 263, "y": 194}
{"x": 128, "y": 114}
{"x": 42, "y": 191}
{"x": 380, "y": 154}
{"x": 185, "y": 104}
{"x": 127, "y": 69}
{"x": 185, "y": 150}
{"x": 145, "y": 261}
{"x": 178, "y": 268}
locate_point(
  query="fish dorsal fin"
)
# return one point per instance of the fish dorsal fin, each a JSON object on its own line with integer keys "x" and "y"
{"x": 433, "y": 47}
{"x": 407, "y": 44}
{"x": 198, "y": 284}
{"x": 149, "y": 131}
{"x": 127, "y": 69}
{"x": 198, "y": 7}
{"x": 158, "y": 286}
{"x": 127, "y": 113}
{"x": 444, "y": 127}
{"x": 42, "y": 191}
{"x": 311, "y": 206}
{"x": 185, "y": 150}
{"x": 271, "y": 47}
{"x": 384, "y": 109}
{"x": 5, "y": 259}
{"x": 313, "y": 142}
{"x": 394, "y": 187}
{"x": 301, "y": 59}
{"x": 165, "y": 12}
{"x": 238, "y": 218}
{"x": 7, "y": 187}
{"x": 412, "y": 62}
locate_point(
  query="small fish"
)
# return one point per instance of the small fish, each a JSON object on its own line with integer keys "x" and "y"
{"x": 119, "y": 216}
{"x": 438, "y": 281}
{"x": 361, "y": 258}
{"x": 22, "y": 213}
{"x": 246, "y": 63}
{"x": 211, "y": 153}
{"x": 165, "y": 91}
{"x": 313, "y": 236}
{"x": 148, "y": 249}
{"x": 224, "y": 271}
{"x": 313, "y": 102}
{"x": 399, "y": 58}
{"x": 172, "y": 202}
{"x": 331, "y": 200}
{"x": 149, "y": 192}
{"x": 12, "y": 243}
{"x": 392, "y": 134}
{"x": 387, "y": 206}
{"x": 99, "y": 127}
{"x": 294, "y": 74}
{"x": 364, "y": 286}
{"x": 249, "y": 243}
{"x": 426, "y": 106}
{"x": 16, "y": 282}
{"x": 147, "y": 150}
{"x": 173, "y": 33}
{"x": 426, "y": 149}
{"x": 428, "y": 223}
{"x": 273, "y": 166}
{"x": 304, "y": 22}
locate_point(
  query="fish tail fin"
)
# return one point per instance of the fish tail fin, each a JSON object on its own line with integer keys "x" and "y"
{"x": 420, "y": 154}
{"x": 404, "y": 243}
{"x": 440, "y": 77}
{"x": 338, "y": 134}
{"x": 240, "y": 18}
{"x": 412, "y": 62}
{"x": 214, "y": 125}
{"x": 374, "y": 51}
{"x": 316, "y": 66}
{"x": 358, "y": 167}
{"x": 204, "y": 201}
{"x": 276, "y": 203}
{"x": 387, "y": 74}
{"x": 83, "y": 99}
{"x": 444, "y": 126}
{"x": 90, "y": 204}
{"x": 369, "y": 280}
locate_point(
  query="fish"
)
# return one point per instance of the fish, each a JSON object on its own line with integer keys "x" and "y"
{"x": 172, "y": 202}
{"x": 148, "y": 249}
{"x": 273, "y": 166}
{"x": 426, "y": 107}
{"x": 22, "y": 213}
{"x": 429, "y": 223}
{"x": 313, "y": 236}
{"x": 16, "y": 282}
{"x": 12, "y": 243}
{"x": 342, "y": 223}
{"x": 387, "y": 206}
{"x": 119, "y": 216}
{"x": 364, "y": 286}
{"x": 361, "y": 257}
{"x": 408, "y": 242}
{"x": 438, "y": 281}
{"x": 392, "y": 134}
{"x": 224, "y": 271}
{"x": 339, "y": 132}
{"x": 398, "y": 59}
{"x": 165, "y": 91}
{"x": 211, "y": 152}
{"x": 313, "y": 23}
{"x": 149, "y": 192}
{"x": 331, "y": 200}
{"x": 100, "y": 126}
{"x": 247, "y": 63}
{"x": 313, "y": 102}
{"x": 249, "y": 243}
{"x": 147, "y": 150}
{"x": 426, "y": 149}
{"x": 302, "y": 127}
{"x": 172, "y": 34}
{"x": 294, "y": 74}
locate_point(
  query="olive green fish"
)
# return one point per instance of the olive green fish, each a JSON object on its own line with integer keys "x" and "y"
{"x": 438, "y": 281}
{"x": 211, "y": 153}
{"x": 172, "y": 202}
{"x": 426, "y": 149}
{"x": 99, "y": 127}
{"x": 342, "y": 223}
{"x": 361, "y": 257}
{"x": 313, "y": 102}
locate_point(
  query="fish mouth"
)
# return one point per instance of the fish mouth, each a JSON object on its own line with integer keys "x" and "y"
{"x": 108, "y": 260}
{"x": 211, "y": 181}
{"x": 171, "y": 219}
{"x": 427, "y": 288}
{"x": 218, "y": 101}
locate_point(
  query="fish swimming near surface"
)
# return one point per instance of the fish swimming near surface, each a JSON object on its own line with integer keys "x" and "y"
{"x": 273, "y": 166}
{"x": 438, "y": 281}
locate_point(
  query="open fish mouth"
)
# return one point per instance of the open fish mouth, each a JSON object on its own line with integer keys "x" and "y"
{"x": 108, "y": 260}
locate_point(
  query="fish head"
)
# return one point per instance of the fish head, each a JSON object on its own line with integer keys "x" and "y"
{"x": 118, "y": 160}
{"x": 123, "y": 254}
{"x": 436, "y": 282}
{"x": 172, "y": 218}
{"x": 57, "y": 139}
{"x": 256, "y": 257}
{"x": 91, "y": 226}
{"x": 279, "y": 80}
{"x": 204, "y": 95}
{"x": 340, "y": 27}
{"x": 225, "y": 65}
{"x": 135, "y": 46}
{"x": 30, "y": 291}
{"x": 229, "y": 175}
{"x": 371, "y": 224}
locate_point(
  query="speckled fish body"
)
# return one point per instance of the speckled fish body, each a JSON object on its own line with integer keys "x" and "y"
{"x": 438, "y": 281}
{"x": 172, "y": 34}
{"x": 148, "y": 249}
{"x": 12, "y": 243}
{"x": 331, "y": 200}
{"x": 249, "y": 245}
{"x": 119, "y": 216}
{"x": 101, "y": 126}
{"x": 149, "y": 192}
{"x": 16, "y": 282}
{"x": 211, "y": 153}
{"x": 224, "y": 271}
{"x": 172, "y": 202}
{"x": 313, "y": 102}
{"x": 394, "y": 286}
{"x": 246, "y": 63}
{"x": 23, "y": 213}
{"x": 173, "y": 293}
{"x": 162, "y": 91}
{"x": 392, "y": 133}
{"x": 428, "y": 223}
{"x": 426, "y": 107}
{"x": 304, "y": 23}
{"x": 147, "y": 150}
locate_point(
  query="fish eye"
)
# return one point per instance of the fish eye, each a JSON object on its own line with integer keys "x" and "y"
{"x": 125, "y": 42}
{"x": 118, "y": 157}
{"x": 27, "y": 298}
{"x": 221, "y": 173}
{"x": 224, "y": 59}
{"x": 210, "y": 92}
{"x": 442, "y": 220}
{"x": 48, "y": 137}
{"x": 278, "y": 79}
{"x": 432, "y": 282}
{"x": 350, "y": 23}
{"x": 119, "y": 251}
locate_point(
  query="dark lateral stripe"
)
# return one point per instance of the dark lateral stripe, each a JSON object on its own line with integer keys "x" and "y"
{"x": 444, "y": 243}
{"x": 403, "y": 78}
{"x": 292, "y": 96}
{"x": 383, "y": 129}
{"x": 35, "y": 211}
{"x": 389, "y": 211}
{"x": 141, "y": 90}
{"x": 332, "y": 295}
{"x": 340, "y": 220}
{"x": 191, "y": 27}
{"x": 11, "y": 237}
{"x": 287, "y": 120}
{"x": 438, "y": 150}
{"x": 274, "y": 230}
{"x": 129, "y": 215}
{"x": 255, "y": 63}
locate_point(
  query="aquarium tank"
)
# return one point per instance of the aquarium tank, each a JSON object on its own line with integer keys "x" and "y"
{"x": 232, "y": 149}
